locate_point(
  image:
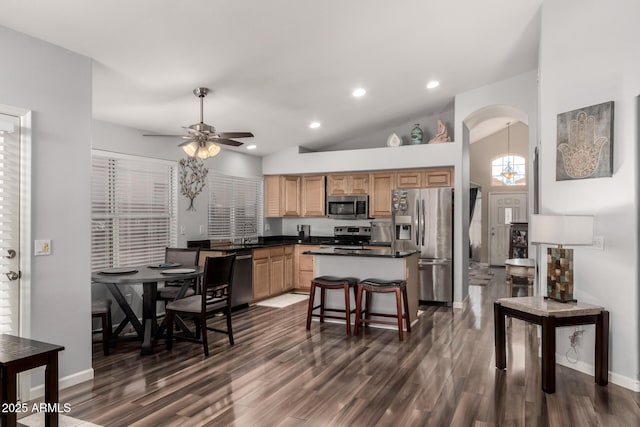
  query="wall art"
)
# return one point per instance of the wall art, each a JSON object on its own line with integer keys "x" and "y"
{"x": 585, "y": 143}
{"x": 193, "y": 176}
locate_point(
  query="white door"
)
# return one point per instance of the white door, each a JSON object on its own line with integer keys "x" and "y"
{"x": 10, "y": 155}
{"x": 504, "y": 208}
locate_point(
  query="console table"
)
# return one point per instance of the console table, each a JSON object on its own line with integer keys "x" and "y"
{"x": 551, "y": 314}
{"x": 21, "y": 354}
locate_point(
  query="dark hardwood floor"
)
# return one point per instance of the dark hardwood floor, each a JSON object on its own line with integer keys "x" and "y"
{"x": 278, "y": 374}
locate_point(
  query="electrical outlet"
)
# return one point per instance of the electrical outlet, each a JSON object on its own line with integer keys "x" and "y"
{"x": 129, "y": 298}
{"x": 182, "y": 230}
{"x": 598, "y": 243}
{"x": 574, "y": 337}
{"x": 201, "y": 230}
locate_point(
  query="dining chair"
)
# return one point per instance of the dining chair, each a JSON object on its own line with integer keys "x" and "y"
{"x": 102, "y": 310}
{"x": 214, "y": 298}
{"x": 186, "y": 257}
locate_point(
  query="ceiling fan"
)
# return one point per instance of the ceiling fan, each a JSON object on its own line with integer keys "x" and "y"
{"x": 202, "y": 139}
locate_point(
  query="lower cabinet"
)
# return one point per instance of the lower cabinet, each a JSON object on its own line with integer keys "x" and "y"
{"x": 304, "y": 266}
{"x": 272, "y": 271}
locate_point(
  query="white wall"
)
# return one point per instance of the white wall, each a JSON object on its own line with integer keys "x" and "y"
{"x": 589, "y": 55}
{"x": 56, "y": 85}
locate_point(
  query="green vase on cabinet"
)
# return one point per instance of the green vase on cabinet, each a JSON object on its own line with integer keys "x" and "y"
{"x": 416, "y": 135}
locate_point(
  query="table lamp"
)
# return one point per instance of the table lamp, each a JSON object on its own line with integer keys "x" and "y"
{"x": 562, "y": 230}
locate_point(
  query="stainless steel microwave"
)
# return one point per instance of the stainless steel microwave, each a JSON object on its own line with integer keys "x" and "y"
{"x": 348, "y": 207}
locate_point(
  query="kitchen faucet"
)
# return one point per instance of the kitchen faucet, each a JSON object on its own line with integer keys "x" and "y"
{"x": 244, "y": 231}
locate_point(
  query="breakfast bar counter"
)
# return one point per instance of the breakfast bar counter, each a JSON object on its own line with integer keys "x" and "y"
{"x": 363, "y": 264}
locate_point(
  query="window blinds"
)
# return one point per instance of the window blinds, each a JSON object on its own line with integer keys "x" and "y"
{"x": 235, "y": 207}
{"x": 133, "y": 210}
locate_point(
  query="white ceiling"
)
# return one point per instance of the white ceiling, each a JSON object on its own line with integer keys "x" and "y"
{"x": 274, "y": 66}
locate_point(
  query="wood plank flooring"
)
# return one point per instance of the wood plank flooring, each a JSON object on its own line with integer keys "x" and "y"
{"x": 279, "y": 374}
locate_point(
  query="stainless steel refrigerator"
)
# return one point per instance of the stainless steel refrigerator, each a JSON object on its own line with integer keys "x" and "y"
{"x": 423, "y": 221}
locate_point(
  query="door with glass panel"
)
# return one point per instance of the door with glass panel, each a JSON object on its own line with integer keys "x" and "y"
{"x": 10, "y": 224}
{"x": 504, "y": 208}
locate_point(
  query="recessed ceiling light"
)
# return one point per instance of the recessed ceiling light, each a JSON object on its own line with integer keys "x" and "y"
{"x": 433, "y": 84}
{"x": 252, "y": 147}
{"x": 359, "y": 92}
{"x": 314, "y": 125}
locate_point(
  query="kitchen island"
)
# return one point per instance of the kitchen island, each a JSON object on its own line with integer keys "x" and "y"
{"x": 363, "y": 264}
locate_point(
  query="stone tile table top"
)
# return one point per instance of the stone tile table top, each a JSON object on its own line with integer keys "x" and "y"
{"x": 538, "y": 306}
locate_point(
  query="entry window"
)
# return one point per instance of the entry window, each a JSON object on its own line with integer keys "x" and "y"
{"x": 514, "y": 163}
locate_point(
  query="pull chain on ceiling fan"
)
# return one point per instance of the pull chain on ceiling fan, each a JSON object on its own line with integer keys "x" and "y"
{"x": 202, "y": 139}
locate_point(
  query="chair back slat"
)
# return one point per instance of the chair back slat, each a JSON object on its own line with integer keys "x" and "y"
{"x": 217, "y": 280}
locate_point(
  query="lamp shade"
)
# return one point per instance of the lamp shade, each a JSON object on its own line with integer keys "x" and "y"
{"x": 570, "y": 230}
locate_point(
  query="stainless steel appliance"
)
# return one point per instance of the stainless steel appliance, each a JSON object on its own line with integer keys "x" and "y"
{"x": 348, "y": 207}
{"x": 304, "y": 233}
{"x": 348, "y": 237}
{"x": 423, "y": 221}
{"x": 381, "y": 232}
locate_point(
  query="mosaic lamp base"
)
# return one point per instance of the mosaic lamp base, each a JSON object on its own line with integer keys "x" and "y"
{"x": 560, "y": 274}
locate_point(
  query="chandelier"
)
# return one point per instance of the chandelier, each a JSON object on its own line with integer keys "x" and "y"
{"x": 508, "y": 172}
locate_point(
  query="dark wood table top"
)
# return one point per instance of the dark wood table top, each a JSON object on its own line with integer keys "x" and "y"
{"x": 14, "y": 348}
{"x": 146, "y": 274}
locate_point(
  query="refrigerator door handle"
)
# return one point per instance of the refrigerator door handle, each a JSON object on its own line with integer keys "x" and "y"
{"x": 433, "y": 262}
{"x": 417, "y": 224}
{"x": 424, "y": 213}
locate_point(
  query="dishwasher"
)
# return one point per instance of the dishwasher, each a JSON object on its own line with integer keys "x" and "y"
{"x": 242, "y": 290}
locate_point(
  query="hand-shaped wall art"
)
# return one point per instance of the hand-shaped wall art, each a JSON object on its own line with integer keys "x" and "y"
{"x": 585, "y": 143}
{"x": 193, "y": 176}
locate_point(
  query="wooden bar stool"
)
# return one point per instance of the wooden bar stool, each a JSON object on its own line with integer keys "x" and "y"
{"x": 399, "y": 287}
{"x": 330, "y": 282}
{"x": 102, "y": 311}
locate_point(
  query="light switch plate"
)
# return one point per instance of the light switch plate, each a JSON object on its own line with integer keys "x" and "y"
{"x": 598, "y": 243}
{"x": 42, "y": 247}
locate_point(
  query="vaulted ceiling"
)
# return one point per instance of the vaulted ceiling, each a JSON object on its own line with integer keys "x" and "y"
{"x": 275, "y": 66}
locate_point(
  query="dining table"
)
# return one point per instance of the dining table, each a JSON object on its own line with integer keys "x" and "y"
{"x": 149, "y": 276}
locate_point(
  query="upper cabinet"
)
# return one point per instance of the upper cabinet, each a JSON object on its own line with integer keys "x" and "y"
{"x": 409, "y": 179}
{"x": 438, "y": 178}
{"x": 347, "y": 184}
{"x": 282, "y": 195}
{"x": 313, "y": 195}
{"x": 380, "y": 196}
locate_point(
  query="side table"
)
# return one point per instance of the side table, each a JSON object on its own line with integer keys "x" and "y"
{"x": 551, "y": 314}
{"x": 21, "y": 354}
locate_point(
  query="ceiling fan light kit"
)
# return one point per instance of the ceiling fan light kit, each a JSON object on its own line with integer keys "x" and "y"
{"x": 202, "y": 140}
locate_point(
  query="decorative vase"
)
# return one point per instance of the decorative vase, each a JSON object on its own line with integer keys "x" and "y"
{"x": 416, "y": 135}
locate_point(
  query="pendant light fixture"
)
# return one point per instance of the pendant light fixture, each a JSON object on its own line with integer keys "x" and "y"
{"x": 508, "y": 172}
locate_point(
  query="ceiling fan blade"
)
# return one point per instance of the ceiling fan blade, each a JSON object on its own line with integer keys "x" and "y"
{"x": 235, "y": 134}
{"x": 156, "y": 134}
{"x": 226, "y": 141}
{"x": 186, "y": 142}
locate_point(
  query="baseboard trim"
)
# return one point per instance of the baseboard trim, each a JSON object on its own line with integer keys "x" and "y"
{"x": 68, "y": 381}
{"x": 461, "y": 305}
{"x": 585, "y": 368}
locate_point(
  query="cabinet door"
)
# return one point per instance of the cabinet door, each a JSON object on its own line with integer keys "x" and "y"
{"x": 288, "y": 268}
{"x": 380, "y": 198}
{"x": 438, "y": 178}
{"x": 337, "y": 185}
{"x": 360, "y": 184}
{"x": 409, "y": 179}
{"x": 272, "y": 196}
{"x": 276, "y": 271}
{"x": 304, "y": 279}
{"x": 313, "y": 195}
{"x": 260, "y": 278}
{"x": 290, "y": 203}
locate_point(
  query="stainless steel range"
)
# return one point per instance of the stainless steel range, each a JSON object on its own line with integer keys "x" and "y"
{"x": 344, "y": 236}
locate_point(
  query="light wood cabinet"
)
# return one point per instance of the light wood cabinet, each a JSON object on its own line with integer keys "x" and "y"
{"x": 409, "y": 179}
{"x": 438, "y": 178}
{"x": 276, "y": 271}
{"x": 380, "y": 196}
{"x": 261, "y": 275}
{"x": 289, "y": 263}
{"x": 282, "y": 195}
{"x": 347, "y": 184}
{"x": 304, "y": 266}
{"x": 313, "y": 196}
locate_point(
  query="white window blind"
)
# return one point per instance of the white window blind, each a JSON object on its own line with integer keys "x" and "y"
{"x": 235, "y": 207}
{"x": 133, "y": 210}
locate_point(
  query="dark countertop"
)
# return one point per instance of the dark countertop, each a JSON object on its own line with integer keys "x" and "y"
{"x": 380, "y": 253}
{"x": 266, "y": 242}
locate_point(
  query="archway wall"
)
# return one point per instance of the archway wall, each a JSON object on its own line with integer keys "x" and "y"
{"x": 516, "y": 97}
